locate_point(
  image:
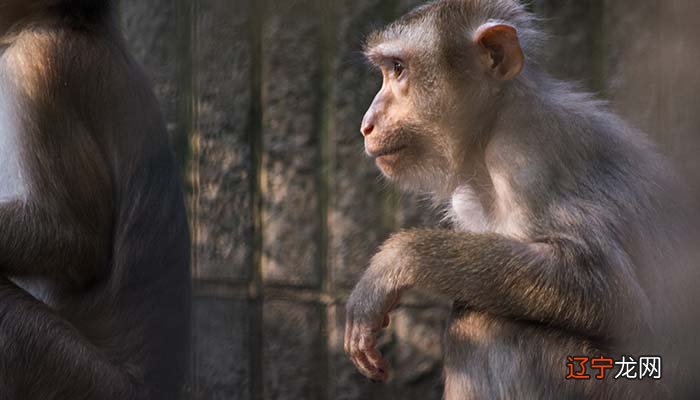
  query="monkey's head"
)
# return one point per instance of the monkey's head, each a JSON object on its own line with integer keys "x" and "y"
{"x": 445, "y": 66}
{"x": 17, "y": 11}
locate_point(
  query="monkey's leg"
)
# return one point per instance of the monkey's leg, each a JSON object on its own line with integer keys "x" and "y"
{"x": 42, "y": 356}
{"x": 494, "y": 358}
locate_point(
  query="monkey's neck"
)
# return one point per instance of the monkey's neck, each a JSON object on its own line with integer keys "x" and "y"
{"x": 522, "y": 113}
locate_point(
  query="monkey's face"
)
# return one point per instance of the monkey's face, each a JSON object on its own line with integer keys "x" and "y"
{"x": 384, "y": 126}
{"x": 405, "y": 128}
{"x": 437, "y": 95}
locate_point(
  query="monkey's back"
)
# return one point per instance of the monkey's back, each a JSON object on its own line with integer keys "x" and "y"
{"x": 151, "y": 244}
{"x": 589, "y": 172}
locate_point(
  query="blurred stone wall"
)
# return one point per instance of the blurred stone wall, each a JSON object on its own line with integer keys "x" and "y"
{"x": 263, "y": 101}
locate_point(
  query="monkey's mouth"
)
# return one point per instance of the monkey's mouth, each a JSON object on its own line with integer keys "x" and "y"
{"x": 391, "y": 151}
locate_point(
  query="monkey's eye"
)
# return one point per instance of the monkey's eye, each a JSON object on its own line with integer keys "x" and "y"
{"x": 398, "y": 69}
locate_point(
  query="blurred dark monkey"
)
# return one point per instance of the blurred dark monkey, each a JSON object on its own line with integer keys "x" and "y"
{"x": 94, "y": 253}
{"x": 571, "y": 231}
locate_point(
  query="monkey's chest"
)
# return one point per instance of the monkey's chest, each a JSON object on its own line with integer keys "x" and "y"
{"x": 470, "y": 214}
{"x": 12, "y": 179}
{"x": 467, "y": 212}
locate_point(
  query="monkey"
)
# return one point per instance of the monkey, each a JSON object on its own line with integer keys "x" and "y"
{"x": 94, "y": 240}
{"x": 568, "y": 225}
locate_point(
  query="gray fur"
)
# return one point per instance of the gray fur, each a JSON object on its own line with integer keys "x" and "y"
{"x": 586, "y": 250}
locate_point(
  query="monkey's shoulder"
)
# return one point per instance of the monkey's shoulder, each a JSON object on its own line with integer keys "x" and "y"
{"x": 50, "y": 57}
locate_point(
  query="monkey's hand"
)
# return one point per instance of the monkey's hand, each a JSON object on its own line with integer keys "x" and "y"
{"x": 367, "y": 313}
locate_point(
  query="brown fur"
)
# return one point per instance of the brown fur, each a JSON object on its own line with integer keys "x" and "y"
{"x": 94, "y": 256}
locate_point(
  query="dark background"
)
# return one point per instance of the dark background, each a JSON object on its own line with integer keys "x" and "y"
{"x": 263, "y": 101}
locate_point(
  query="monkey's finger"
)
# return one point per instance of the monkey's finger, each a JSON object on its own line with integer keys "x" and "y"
{"x": 368, "y": 346}
{"x": 379, "y": 365}
{"x": 352, "y": 342}
{"x": 348, "y": 335}
{"x": 364, "y": 366}
{"x": 363, "y": 344}
{"x": 367, "y": 369}
{"x": 375, "y": 357}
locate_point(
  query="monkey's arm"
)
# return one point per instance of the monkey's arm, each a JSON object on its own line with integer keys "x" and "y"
{"x": 558, "y": 281}
{"x": 36, "y": 241}
{"x": 58, "y": 358}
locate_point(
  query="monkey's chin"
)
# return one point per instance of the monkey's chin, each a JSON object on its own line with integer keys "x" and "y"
{"x": 388, "y": 164}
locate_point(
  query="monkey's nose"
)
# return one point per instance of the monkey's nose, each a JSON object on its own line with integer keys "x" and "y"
{"x": 367, "y": 128}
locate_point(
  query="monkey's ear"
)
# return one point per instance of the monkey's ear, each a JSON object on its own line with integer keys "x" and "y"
{"x": 500, "y": 47}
